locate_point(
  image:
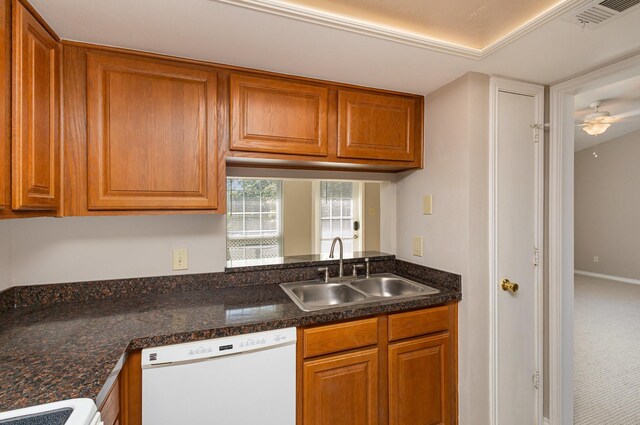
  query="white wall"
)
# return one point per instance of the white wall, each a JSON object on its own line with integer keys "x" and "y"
{"x": 297, "y": 217}
{"x": 607, "y": 201}
{"x": 50, "y": 250}
{"x": 5, "y": 257}
{"x": 456, "y": 235}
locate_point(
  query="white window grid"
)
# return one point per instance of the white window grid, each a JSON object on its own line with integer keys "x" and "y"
{"x": 336, "y": 214}
{"x": 249, "y": 244}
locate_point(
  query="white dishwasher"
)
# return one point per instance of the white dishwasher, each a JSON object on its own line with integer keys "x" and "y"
{"x": 240, "y": 380}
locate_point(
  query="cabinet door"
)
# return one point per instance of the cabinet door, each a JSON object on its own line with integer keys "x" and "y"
{"x": 5, "y": 104}
{"x": 419, "y": 381}
{"x": 35, "y": 141}
{"x": 341, "y": 389}
{"x": 151, "y": 134}
{"x": 276, "y": 116}
{"x": 376, "y": 126}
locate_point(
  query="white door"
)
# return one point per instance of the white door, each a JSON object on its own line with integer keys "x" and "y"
{"x": 517, "y": 172}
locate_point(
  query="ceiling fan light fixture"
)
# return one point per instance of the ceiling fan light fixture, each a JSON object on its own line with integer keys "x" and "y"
{"x": 596, "y": 128}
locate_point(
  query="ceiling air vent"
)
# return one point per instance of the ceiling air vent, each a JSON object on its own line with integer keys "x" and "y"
{"x": 597, "y": 13}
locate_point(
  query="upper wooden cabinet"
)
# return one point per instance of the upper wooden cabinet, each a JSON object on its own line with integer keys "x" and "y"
{"x": 377, "y": 126}
{"x": 315, "y": 124}
{"x": 152, "y": 137}
{"x": 35, "y": 138}
{"x": 276, "y": 116}
{"x": 5, "y": 105}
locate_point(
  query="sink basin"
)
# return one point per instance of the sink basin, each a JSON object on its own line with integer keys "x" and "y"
{"x": 389, "y": 287}
{"x": 326, "y": 294}
{"x": 313, "y": 295}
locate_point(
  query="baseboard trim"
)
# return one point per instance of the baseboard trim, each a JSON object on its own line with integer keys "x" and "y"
{"x": 608, "y": 276}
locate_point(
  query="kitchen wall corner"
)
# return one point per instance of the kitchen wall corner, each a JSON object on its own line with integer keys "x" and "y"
{"x": 456, "y": 234}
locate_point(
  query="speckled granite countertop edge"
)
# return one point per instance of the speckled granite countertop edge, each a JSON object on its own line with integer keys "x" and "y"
{"x": 306, "y": 319}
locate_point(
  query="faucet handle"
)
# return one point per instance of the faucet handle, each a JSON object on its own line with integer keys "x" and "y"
{"x": 366, "y": 266}
{"x": 324, "y": 270}
{"x": 355, "y": 269}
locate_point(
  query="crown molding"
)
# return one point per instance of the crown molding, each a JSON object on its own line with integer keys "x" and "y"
{"x": 300, "y": 13}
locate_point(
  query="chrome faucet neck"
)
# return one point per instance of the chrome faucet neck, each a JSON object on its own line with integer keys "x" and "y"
{"x": 333, "y": 245}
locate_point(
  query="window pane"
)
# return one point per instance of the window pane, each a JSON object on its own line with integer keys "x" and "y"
{"x": 325, "y": 229}
{"x": 324, "y": 208}
{"x": 346, "y": 229}
{"x": 269, "y": 222}
{"x": 234, "y": 223}
{"x": 335, "y": 208}
{"x": 252, "y": 204}
{"x": 252, "y": 222}
{"x": 256, "y": 233}
{"x": 270, "y": 251}
{"x": 236, "y": 202}
{"x": 252, "y": 252}
{"x": 346, "y": 207}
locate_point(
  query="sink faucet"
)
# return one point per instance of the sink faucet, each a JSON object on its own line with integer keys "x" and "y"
{"x": 333, "y": 245}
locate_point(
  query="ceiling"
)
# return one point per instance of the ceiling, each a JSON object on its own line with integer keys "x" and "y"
{"x": 217, "y": 31}
{"x": 621, "y": 99}
{"x": 471, "y": 23}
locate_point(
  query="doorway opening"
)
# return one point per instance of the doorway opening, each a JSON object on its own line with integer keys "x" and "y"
{"x": 587, "y": 359}
{"x": 606, "y": 375}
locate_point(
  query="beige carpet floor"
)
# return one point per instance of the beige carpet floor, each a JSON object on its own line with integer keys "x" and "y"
{"x": 606, "y": 352}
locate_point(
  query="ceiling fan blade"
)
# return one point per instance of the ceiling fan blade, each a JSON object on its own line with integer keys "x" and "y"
{"x": 628, "y": 114}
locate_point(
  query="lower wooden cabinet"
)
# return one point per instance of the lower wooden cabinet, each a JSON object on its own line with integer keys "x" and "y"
{"x": 342, "y": 389}
{"x": 110, "y": 409}
{"x": 405, "y": 376}
{"x": 419, "y": 381}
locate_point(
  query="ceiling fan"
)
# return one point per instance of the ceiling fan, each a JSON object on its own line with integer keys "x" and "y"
{"x": 597, "y": 122}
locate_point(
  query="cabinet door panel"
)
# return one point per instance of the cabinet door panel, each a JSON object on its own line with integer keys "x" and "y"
{"x": 341, "y": 389}
{"x": 35, "y": 142}
{"x": 277, "y": 116}
{"x": 376, "y": 126}
{"x": 152, "y": 134}
{"x": 5, "y": 104}
{"x": 419, "y": 381}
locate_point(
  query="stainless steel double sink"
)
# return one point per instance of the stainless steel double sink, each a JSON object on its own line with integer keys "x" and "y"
{"x": 312, "y": 295}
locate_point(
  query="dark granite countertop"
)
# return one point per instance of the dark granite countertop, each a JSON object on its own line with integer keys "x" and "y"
{"x": 68, "y": 350}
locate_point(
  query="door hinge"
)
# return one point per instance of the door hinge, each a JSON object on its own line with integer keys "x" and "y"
{"x": 536, "y": 256}
{"x": 536, "y": 380}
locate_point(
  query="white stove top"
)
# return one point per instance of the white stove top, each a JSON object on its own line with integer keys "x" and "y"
{"x": 79, "y": 411}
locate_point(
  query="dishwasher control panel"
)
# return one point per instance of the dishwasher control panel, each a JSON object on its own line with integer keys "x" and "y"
{"x": 200, "y": 350}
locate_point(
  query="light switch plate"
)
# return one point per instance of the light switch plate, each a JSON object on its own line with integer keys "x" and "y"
{"x": 427, "y": 205}
{"x": 180, "y": 259}
{"x": 417, "y": 246}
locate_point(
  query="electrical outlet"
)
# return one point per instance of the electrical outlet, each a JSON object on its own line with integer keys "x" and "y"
{"x": 427, "y": 205}
{"x": 180, "y": 259}
{"x": 417, "y": 246}
{"x": 595, "y": 259}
